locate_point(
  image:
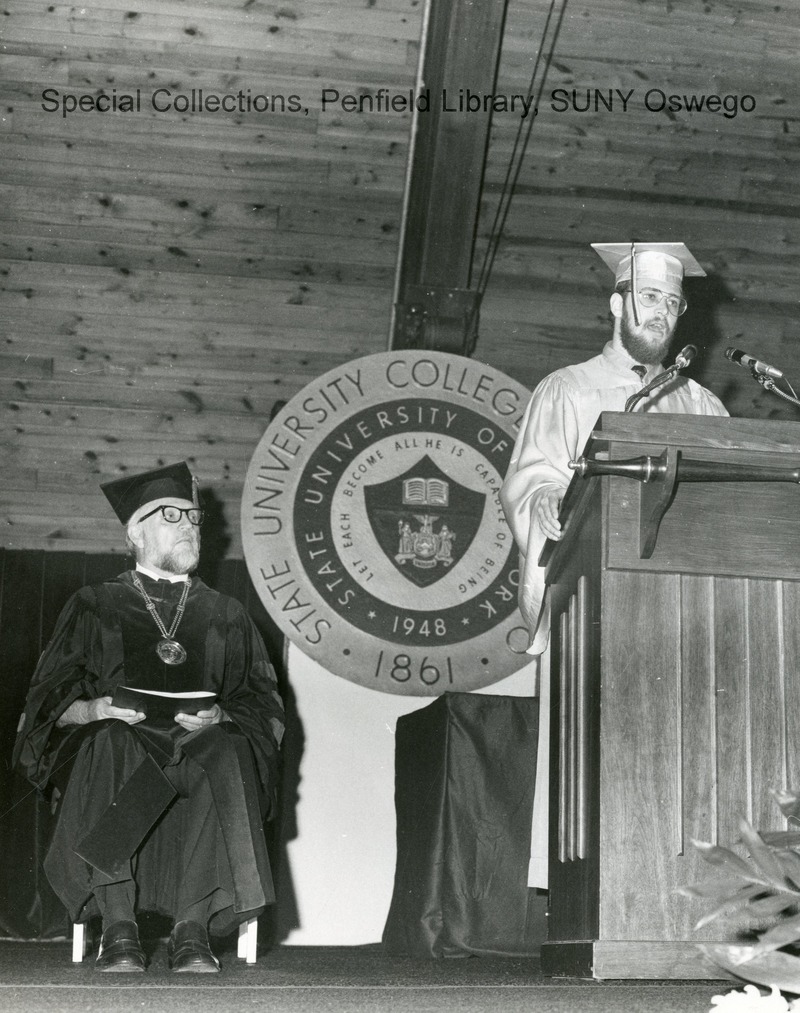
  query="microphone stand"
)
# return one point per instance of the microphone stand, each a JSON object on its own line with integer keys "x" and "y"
{"x": 768, "y": 383}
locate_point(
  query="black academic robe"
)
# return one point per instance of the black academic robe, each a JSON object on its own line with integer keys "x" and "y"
{"x": 104, "y": 638}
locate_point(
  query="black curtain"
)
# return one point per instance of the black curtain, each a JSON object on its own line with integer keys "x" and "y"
{"x": 465, "y": 767}
{"x": 34, "y": 586}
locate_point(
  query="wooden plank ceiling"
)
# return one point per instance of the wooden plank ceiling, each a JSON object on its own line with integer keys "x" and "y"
{"x": 166, "y": 277}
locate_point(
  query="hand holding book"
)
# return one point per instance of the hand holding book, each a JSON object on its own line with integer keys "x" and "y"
{"x": 158, "y": 705}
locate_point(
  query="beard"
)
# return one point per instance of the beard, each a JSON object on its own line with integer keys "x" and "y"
{"x": 646, "y": 344}
{"x": 181, "y": 558}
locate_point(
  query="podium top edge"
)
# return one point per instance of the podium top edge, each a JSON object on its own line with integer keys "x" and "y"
{"x": 709, "y": 431}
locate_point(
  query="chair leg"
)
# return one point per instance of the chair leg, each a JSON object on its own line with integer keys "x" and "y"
{"x": 78, "y": 942}
{"x": 248, "y": 941}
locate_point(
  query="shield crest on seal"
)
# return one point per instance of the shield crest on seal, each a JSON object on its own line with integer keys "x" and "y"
{"x": 424, "y": 520}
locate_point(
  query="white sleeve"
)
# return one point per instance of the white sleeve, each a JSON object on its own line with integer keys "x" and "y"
{"x": 547, "y": 441}
{"x": 709, "y": 404}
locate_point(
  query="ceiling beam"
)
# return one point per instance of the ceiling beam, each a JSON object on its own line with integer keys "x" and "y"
{"x": 434, "y": 306}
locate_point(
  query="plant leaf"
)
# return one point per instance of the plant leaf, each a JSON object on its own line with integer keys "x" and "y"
{"x": 732, "y": 904}
{"x": 789, "y": 801}
{"x": 763, "y": 858}
{"x": 779, "y": 970}
{"x": 785, "y": 932}
{"x": 720, "y": 886}
{"x": 765, "y": 907}
{"x": 790, "y": 862}
{"x": 781, "y": 838}
{"x": 714, "y": 854}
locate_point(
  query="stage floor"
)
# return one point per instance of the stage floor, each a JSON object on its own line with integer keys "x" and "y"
{"x": 36, "y": 977}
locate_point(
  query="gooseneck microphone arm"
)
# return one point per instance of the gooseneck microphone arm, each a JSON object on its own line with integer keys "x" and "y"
{"x": 768, "y": 383}
{"x": 682, "y": 360}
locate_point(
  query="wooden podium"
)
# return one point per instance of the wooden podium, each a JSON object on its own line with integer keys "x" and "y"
{"x": 676, "y": 685}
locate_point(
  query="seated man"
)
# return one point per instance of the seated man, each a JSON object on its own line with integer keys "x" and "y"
{"x": 158, "y": 814}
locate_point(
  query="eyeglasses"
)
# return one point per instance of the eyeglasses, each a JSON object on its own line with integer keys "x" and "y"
{"x": 650, "y": 297}
{"x": 173, "y": 514}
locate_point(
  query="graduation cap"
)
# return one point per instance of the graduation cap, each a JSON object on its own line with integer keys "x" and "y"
{"x": 661, "y": 264}
{"x": 127, "y": 495}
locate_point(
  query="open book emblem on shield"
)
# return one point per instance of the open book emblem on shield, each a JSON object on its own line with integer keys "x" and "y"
{"x": 424, "y": 520}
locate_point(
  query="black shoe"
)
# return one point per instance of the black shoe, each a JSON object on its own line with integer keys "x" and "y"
{"x": 188, "y": 949}
{"x": 120, "y": 949}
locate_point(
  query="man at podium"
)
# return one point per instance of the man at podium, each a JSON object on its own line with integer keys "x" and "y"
{"x": 645, "y": 304}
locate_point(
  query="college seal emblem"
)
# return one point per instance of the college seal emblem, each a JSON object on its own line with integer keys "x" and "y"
{"x": 417, "y": 519}
{"x": 372, "y": 524}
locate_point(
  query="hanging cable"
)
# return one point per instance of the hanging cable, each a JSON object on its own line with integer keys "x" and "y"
{"x": 518, "y": 153}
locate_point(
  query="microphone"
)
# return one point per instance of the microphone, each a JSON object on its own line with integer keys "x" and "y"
{"x": 685, "y": 356}
{"x": 761, "y": 368}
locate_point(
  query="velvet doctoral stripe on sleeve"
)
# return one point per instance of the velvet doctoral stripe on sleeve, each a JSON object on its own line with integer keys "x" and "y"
{"x": 248, "y": 693}
{"x": 67, "y": 671}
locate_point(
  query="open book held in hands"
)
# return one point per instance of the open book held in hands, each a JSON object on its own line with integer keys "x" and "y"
{"x": 162, "y": 705}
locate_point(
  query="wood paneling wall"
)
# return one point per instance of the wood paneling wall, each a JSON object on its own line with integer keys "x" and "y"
{"x": 166, "y": 278}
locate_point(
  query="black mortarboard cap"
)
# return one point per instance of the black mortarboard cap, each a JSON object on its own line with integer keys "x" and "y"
{"x": 126, "y": 495}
